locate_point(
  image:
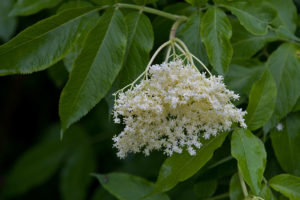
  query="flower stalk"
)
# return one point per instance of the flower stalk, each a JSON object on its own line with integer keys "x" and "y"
{"x": 174, "y": 44}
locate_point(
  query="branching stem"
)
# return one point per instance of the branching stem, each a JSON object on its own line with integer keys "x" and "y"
{"x": 152, "y": 11}
{"x": 173, "y": 43}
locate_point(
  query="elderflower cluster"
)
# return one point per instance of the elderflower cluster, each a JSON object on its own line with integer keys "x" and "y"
{"x": 172, "y": 109}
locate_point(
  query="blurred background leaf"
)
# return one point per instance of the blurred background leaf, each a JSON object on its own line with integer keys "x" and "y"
{"x": 7, "y": 23}
{"x": 29, "y": 7}
{"x": 128, "y": 187}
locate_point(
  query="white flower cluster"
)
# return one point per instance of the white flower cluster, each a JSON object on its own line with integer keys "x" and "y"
{"x": 172, "y": 109}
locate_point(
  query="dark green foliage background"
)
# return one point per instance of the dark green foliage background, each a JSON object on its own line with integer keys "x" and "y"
{"x": 86, "y": 50}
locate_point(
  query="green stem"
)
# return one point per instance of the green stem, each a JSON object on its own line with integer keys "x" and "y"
{"x": 243, "y": 185}
{"x": 172, "y": 35}
{"x": 220, "y": 162}
{"x": 153, "y": 11}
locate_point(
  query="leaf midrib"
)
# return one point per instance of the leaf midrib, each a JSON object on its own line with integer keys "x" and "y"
{"x": 259, "y": 101}
{"x": 130, "y": 39}
{"x": 246, "y": 158}
{"x": 87, "y": 75}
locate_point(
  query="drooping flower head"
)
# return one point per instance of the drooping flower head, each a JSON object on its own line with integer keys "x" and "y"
{"x": 172, "y": 108}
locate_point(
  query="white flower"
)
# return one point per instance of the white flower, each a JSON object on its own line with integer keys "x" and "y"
{"x": 173, "y": 109}
{"x": 279, "y": 127}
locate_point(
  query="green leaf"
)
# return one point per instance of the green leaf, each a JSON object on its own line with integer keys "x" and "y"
{"x": 250, "y": 153}
{"x": 205, "y": 189}
{"x": 140, "y": 41}
{"x": 128, "y": 187}
{"x": 297, "y": 106}
{"x": 216, "y": 33}
{"x": 245, "y": 44}
{"x": 29, "y": 7}
{"x": 95, "y": 68}
{"x": 284, "y": 64}
{"x": 266, "y": 193}
{"x": 58, "y": 74}
{"x": 139, "y": 44}
{"x": 7, "y": 23}
{"x": 70, "y": 58}
{"x": 285, "y": 34}
{"x": 235, "y": 189}
{"x": 286, "y": 13}
{"x": 102, "y": 194}
{"x": 40, "y": 162}
{"x": 261, "y": 101}
{"x": 253, "y": 15}
{"x": 242, "y": 73}
{"x": 190, "y": 35}
{"x": 180, "y": 167}
{"x": 287, "y": 185}
{"x": 72, "y": 5}
{"x": 197, "y": 3}
{"x": 44, "y": 43}
{"x": 286, "y": 144}
{"x": 35, "y": 167}
{"x": 75, "y": 176}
